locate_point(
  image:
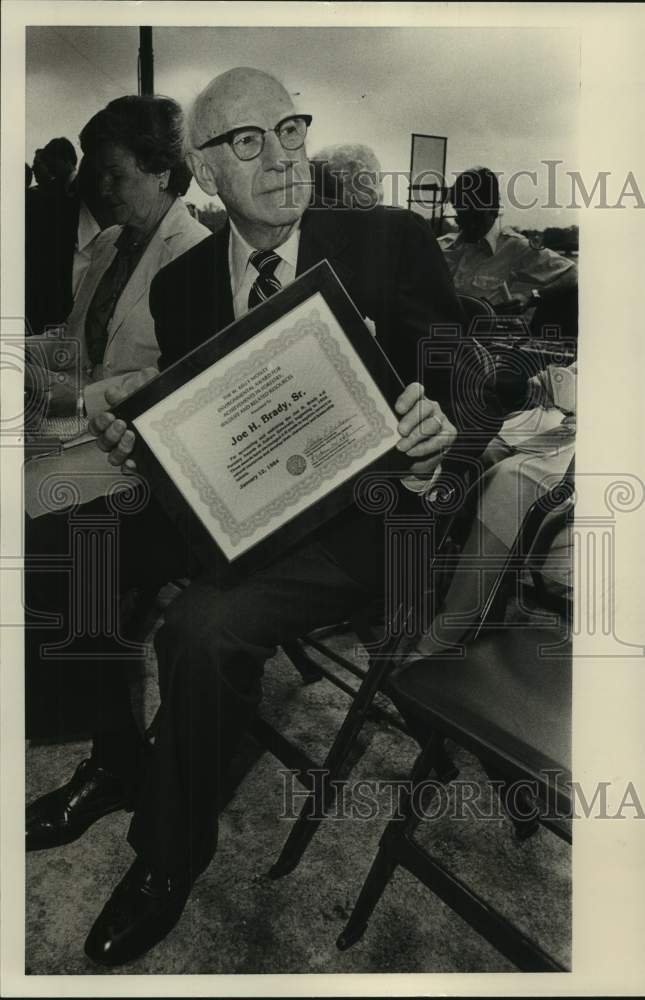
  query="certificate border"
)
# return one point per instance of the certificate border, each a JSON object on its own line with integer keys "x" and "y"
{"x": 319, "y": 279}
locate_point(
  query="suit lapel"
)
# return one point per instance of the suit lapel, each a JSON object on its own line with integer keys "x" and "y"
{"x": 95, "y": 272}
{"x": 87, "y": 289}
{"x": 220, "y": 281}
{"x": 156, "y": 254}
{"x": 325, "y": 236}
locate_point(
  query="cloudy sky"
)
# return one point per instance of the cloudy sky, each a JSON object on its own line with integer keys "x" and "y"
{"x": 504, "y": 97}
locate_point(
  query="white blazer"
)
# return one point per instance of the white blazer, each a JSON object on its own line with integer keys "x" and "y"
{"x": 131, "y": 342}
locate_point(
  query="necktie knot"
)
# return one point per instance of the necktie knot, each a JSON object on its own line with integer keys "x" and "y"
{"x": 265, "y": 261}
{"x": 266, "y": 284}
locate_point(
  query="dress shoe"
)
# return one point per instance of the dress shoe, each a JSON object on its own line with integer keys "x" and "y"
{"x": 143, "y": 908}
{"x": 65, "y": 814}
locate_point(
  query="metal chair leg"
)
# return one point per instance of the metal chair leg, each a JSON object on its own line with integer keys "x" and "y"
{"x": 324, "y": 794}
{"x": 306, "y": 667}
{"x": 399, "y": 828}
{"x": 380, "y": 873}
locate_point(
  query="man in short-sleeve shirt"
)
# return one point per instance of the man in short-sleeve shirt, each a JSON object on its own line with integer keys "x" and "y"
{"x": 493, "y": 262}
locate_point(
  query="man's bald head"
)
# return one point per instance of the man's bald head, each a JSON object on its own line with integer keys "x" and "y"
{"x": 230, "y": 96}
{"x": 266, "y": 194}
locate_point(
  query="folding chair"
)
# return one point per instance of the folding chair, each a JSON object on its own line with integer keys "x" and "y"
{"x": 374, "y": 680}
{"x": 508, "y": 701}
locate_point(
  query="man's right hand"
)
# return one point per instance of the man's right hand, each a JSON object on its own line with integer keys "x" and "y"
{"x": 112, "y": 435}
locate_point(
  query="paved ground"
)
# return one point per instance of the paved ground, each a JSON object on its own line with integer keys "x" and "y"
{"x": 239, "y": 921}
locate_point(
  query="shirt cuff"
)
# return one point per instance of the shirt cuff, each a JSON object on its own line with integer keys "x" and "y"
{"x": 419, "y": 484}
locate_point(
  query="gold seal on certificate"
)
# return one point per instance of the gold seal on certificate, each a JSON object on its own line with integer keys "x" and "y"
{"x": 257, "y": 441}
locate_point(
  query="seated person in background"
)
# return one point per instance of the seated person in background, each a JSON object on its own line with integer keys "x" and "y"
{"x": 357, "y": 172}
{"x": 61, "y": 227}
{"x": 536, "y": 443}
{"x": 327, "y": 188}
{"x": 527, "y": 458}
{"x": 94, "y": 215}
{"x": 495, "y": 263}
{"x": 54, "y": 164}
{"x": 551, "y": 396}
{"x": 137, "y": 145}
{"x": 51, "y": 219}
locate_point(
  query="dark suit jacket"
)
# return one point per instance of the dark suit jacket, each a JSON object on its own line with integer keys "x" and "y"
{"x": 51, "y": 222}
{"x": 389, "y": 262}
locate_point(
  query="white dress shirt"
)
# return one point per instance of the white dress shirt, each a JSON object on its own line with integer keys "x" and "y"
{"x": 243, "y": 274}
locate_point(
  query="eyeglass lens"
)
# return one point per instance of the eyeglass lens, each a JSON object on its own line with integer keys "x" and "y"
{"x": 250, "y": 143}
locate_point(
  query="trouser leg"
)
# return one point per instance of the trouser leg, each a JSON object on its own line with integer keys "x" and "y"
{"x": 211, "y": 653}
{"x": 90, "y": 696}
{"x": 67, "y": 695}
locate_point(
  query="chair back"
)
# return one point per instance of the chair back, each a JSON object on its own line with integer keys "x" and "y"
{"x": 543, "y": 520}
{"x": 474, "y": 308}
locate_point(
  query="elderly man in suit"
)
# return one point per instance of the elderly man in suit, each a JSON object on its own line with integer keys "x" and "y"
{"x": 248, "y": 147}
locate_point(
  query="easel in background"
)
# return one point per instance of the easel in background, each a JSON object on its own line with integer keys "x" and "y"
{"x": 426, "y": 187}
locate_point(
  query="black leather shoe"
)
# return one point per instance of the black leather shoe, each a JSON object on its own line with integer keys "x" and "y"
{"x": 143, "y": 908}
{"x": 65, "y": 814}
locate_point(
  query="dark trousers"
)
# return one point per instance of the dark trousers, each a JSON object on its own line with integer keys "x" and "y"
{"x": 211, "y": 653}
{"x": 77, "y": 682}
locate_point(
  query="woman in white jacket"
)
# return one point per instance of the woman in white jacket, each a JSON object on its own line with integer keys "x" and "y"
{"x": 137, "y": 147}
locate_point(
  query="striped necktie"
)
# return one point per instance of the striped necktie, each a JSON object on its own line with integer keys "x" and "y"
{"x": 266, "y": 283}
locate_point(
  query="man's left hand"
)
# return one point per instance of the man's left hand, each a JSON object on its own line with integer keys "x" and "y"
{"x": 426, "y": 433}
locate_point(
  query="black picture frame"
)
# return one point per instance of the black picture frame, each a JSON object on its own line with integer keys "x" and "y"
{"x": 320, "y": 278}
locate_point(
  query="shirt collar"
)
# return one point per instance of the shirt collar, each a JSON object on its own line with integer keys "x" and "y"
{"x": 130, "y": 243}
{"x": 492, "y": 236}
{"x": 88, "y": 227}
{"x": 240, "y": 251}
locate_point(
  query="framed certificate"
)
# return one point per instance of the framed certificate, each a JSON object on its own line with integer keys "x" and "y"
{"x": 257, "y": 436}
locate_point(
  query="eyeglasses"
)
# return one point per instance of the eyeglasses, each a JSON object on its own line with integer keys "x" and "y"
{"x": 247, "y": 142}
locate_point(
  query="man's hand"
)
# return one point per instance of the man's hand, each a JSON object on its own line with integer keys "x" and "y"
{"x": 112, "y": 435}
{"x": 426, "y": 433}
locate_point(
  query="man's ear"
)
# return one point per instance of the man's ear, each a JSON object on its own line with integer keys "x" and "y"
{"x": 203, "y": 173}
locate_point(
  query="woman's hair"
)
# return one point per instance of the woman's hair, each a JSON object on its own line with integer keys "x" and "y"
{"x": 151, "y": 128}
{"x": 358, "y": 169}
